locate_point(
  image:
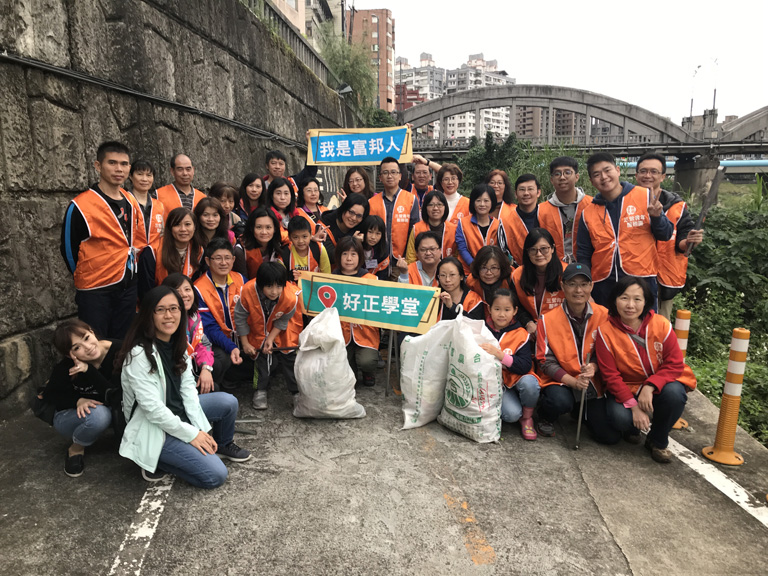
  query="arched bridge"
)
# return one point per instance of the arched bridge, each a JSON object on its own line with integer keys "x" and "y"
{"x": 752, "y": 127}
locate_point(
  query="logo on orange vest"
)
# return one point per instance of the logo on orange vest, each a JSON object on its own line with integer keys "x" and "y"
{"x": 278, "y": 315}
{"x": 401, "y": 208}
{"x": 631, "y": 210}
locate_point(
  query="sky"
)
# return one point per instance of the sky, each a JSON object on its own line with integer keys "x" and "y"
{"x": 656, "y": 55}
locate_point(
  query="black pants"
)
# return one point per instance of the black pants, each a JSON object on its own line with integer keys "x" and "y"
{"x": 267, "y": 364}
{"x": 109, "y": 311}
{"x": 223, "y": 369}
{"x": 555, "y": 400}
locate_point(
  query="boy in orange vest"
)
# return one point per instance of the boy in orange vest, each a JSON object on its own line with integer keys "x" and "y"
{"x": 101, "y": 237}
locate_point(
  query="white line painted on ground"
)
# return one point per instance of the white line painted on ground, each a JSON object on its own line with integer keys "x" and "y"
{"x": 130, "y": 555}
{"x": 722, "y": 482}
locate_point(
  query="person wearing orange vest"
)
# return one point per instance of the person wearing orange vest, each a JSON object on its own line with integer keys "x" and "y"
{"x": 102, "y": 234}
{"x": 142, "y": 177}
{"x": 267, "y": 306}
{"x": 180, "y": 193}
{"x": 561, "y": 212}
{"x": 276, "y": 162}
{"x": 449, "y": 177}
{"x": 642, "y": 368}
{"x": 516, "y": 224}
{"x": 521, "y": 385}
{"x": 565, "y": 345}
{"x": 455, "y": 292}
{"x": 423, "y": 272}
{"x": 673, "y": 263}
{"x": 218, "y": 291}
{"x": 505, "y": 198}
{"x": 434, "y": 217}
{"x": 480, "y": 228}
{"x": 399, "y": 209}
{"x": 619, "y": 229}
{"x": 422, "y": 176}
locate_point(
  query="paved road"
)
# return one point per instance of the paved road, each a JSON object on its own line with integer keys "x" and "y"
{"x": 363, "y": 497}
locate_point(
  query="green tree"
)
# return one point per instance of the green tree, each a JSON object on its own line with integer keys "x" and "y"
{"x": 352, "y": 65}
{"x": 378, "y": 118}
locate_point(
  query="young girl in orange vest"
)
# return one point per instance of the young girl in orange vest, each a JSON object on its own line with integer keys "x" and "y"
{"x": 538, "y": 281}
{"x": 434, "y": 217}
{"x": 375, "y": 247}
{"x": 362, "y": 341}
{"x": 282, "y": 202}
{"x": 521, "y": 392}
{"x": 455, "y": 292}
{"x": 198, "y": 345}
{"x": 480, "y": 229}
{"x": 260, "y": 243}
{"x": 642, "y": 368}
{"x": 251, "y": 195}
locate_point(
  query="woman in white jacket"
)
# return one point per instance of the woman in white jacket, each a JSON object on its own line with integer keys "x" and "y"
{"x": 168, "y": 423}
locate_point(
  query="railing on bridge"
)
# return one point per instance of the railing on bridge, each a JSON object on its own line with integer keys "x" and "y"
{"x": 293, "y": 37}
{"x": 421, "y": 144}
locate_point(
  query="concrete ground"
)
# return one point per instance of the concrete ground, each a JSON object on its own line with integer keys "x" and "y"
{"x": 363, "y": 497}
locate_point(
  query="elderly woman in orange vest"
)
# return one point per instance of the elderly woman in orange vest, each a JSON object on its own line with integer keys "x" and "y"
{"x": 642, "y": 368}
{"x": 537, "y": 281}
{"x": 480, "y": 228}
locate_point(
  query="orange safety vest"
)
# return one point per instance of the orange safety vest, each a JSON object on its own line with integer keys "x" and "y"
{"x": 364, "y": 336}
{"x": 673, "y": 265}
{"x": 401, "y": 218}
{"x": 628, "y": 361}
{"x": 260, "y": 325}
{"x": 635, "y": 245}
{"x": 447, "y": 242}
{"x": 254, "y": 259}
{"x": 555, "y": 333}
{"x": 156, "y": 223}
{"x": 460, "y": 211}
{"x": 103, "y": 257}
{"x": 414, "y": 276}
{"x": 303, "y": 213}
{"x": 413, "y": 191}
{"x": 474, "y": 237}
{"x": 171, "y": 198}
{"x": 210, "y": 295}
{"x": 471, "y": 301}
{"x": 551, "y": 219}
{"x": 188, "y": 268}
{"x": 196, "y": 338}
{"x": 549, "y": 301}
{"x": 515, "y": 231}
{"x": 510, "y": 343}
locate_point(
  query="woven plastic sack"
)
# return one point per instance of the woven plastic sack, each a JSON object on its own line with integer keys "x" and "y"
{"x": 326, "y": 381}
{"x": 474, "y": 386}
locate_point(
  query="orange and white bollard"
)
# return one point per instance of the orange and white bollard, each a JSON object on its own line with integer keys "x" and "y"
{"x": 725, "y": 438}
{"x": 682, "y": 327}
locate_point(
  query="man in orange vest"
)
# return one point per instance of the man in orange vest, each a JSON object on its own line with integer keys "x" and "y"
{"x": 276, "y": 162}
{"x": 561, "y": 212}
{"x": 422, "y": 176}
{"x": 619, "y": 229}
{"x": 101, "y": 237}
{"x": 673, "y": 263}
{"x": 400, "y": 211}
{"x": 180, "y": 193}
{"x": 564, "y": 349}
{"x": 525, "y": 217}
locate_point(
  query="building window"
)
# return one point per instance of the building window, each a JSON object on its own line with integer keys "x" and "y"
{"x": 374, "y": 47}
{"x": 374, "y": 34}
{"x": 375, "y": 19}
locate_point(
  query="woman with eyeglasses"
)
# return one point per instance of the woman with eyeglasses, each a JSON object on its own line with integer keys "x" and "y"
{"x": 490, "y": 271}
{"x": 505, "y": 197}
{"x": 449, "y": 178}
{"x": 434, "y": 216}
{"x": 538, "y": 282}
{"x": 455, "y": 292}
{"x": 346, "y": 220}
{"x": 356, "y": 181}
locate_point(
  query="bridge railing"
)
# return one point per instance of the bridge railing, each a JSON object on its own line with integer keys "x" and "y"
{"x": 580, "y": 141}
{"x": 293, "y": 37}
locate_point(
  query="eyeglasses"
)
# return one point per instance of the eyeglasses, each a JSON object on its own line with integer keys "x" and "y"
{"x": 647, "y": 171}
{"x": 356, "y": 180}
{"x": 489, "y": 270}
{"x": 561, "y": 173}
{"x": 577, "y": 285}
{"x": 355, "y": 215}
{"x": 446, "y": 276}
{"x": 386, "y": 173}
{"x": 436, "y": 205}
{"x": 162, "y": 311}
{"x": 221, "y": 259}
{"x": 428, "y": 250}
{"x": 544, "y": 250}
{"x": 450, "y": 179}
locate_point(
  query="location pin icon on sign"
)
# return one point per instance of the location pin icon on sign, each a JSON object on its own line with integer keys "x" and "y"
{"x": 327, "y": 296}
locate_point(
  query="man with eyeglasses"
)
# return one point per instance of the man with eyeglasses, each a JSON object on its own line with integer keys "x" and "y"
{"x": 218, "y": 291}
{"x": 619, "y": 229}
{"x": 563, "y": 208}
{"x": 180, "y": 193}
{"x": 673, "y": 262}
{"x": 423, "y": 272}
{"x": 565, "y": 346}
{"x": 422, "y": 176}
{"x": 400, "y": 211}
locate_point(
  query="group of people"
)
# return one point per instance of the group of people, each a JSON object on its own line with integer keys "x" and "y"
{"x": 183, "y": 295}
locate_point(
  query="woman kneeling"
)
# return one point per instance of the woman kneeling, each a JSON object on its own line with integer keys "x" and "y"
{"x": 168, "y": 422}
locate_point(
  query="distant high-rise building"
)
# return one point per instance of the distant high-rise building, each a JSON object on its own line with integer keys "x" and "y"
{"x": 293, "y": 10}
{"x": 320, "y": 12}
{"x": 375, "y": 30}
{"x": 425, "y": 80}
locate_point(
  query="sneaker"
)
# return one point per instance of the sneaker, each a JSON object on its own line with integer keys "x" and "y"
{"x": 74, "y": 465}
{"x": 259, "y": 401}
{"x": 369, "y": 380}
{"x": 233, "y": 452}
{"x": 632, "y": 437}
{"x": 661, "y": 455}
{"x": 546, "y": 429}
{"x": 155, "y": 476}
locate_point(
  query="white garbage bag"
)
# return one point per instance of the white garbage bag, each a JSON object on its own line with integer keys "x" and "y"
{"x": 474, "y": 387}
{"x": 326, "y": 381}
{"x": 423, "y": 373}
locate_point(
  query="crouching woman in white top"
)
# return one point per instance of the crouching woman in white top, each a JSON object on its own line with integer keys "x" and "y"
{"x": 169, "y": 425}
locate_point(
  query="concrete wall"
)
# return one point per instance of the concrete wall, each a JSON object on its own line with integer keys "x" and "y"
{"x": 212, "y": 56}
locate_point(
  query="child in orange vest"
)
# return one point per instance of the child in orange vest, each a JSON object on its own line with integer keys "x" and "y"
{"x": 375, "y": 247}
{"x": 521, "y": 392}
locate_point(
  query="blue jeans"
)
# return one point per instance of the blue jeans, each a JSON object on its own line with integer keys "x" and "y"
{"x": 668, "y": 406}
{"x": 83, "y": 431}
{"x": 187, "y": 462}
{"x": 524, "y": 394}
